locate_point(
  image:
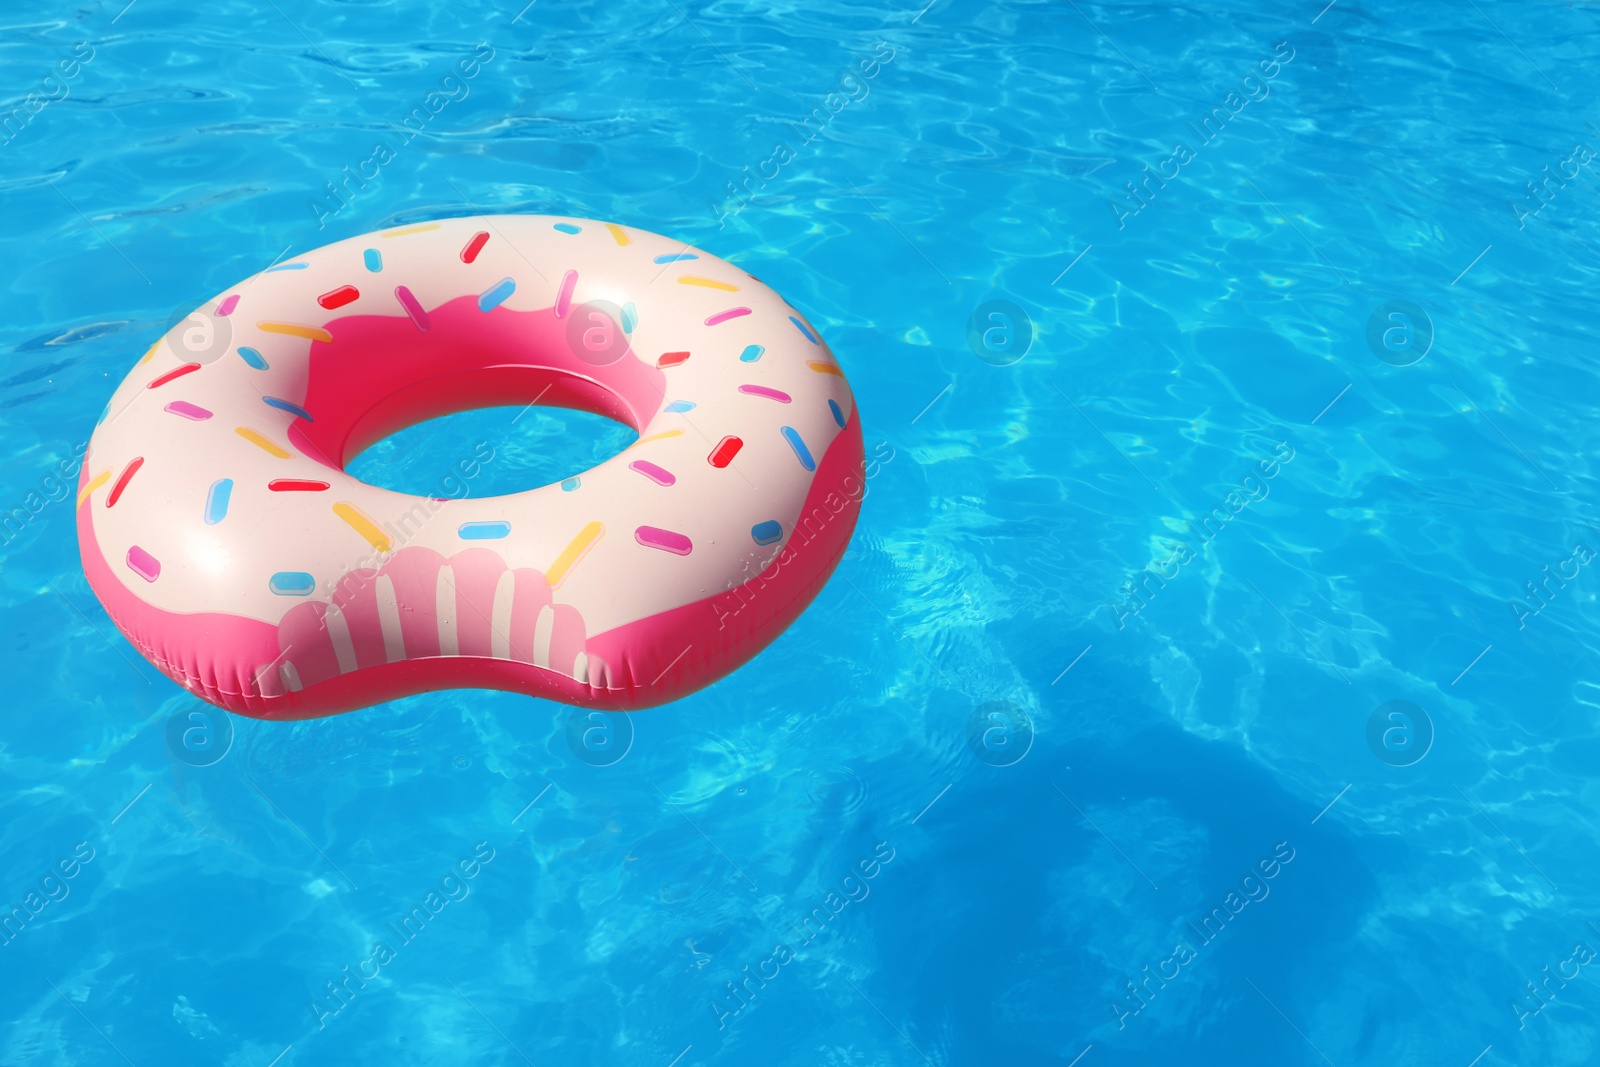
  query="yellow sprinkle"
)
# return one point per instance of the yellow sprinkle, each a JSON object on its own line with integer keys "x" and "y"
{"x": 425, "y": 227}
{"x": 824, "y": 368}
{"x": 94, "y": 483}
{"x": 148, "y": 353}
{"x": 260, "y": 442}
{"x": 616, "y": 231}
{"x": 709, "y": 283}
{"x": 658, "y": 437}
{"x": 295, "y": 329}
{"x": 362, "y": 524}
{"x": 575, "y": 551}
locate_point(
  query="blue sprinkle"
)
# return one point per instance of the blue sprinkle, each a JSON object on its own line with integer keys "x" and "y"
{"x": 680, "y": 405}
{"x": 217, "y": 501}
{"x": 252, "y": 357}
{"x": 483, "y": 531}
{"x": 286, "y": 266}
{"x": 751, "y": 354}
{"x": 493, "y": 297}
{"x": 764, "y": 533}
{"x": 292, "y": 583}
{"x": 802, "y": 328}
{"x": 284, "y": 405}
{"x": 570, "y": 484}
{"x": 567, "y": 227}
{"x": 674, "y": 257}
{"x": 838, "y": 413}
{"x": 800, "y": 450}
{"x": 374, "y": 259}
{"x": 630, "y": 318}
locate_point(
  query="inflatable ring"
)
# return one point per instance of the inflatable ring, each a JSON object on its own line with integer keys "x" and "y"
{"x": 221, "y": 533}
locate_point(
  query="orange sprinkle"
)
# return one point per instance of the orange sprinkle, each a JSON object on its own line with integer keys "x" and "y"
{"x": 260, "y": 442}
{"x": 570, "y": 556}
{"x": 362, "y": 524}
{"x": 423, "y": 228}
{"x": 658, "y": 437}
{"x": 94, "y": 483}
{"x": 709, "y": 283}
{"x": 824, "y": 368}
{"x": 295, "y": 329}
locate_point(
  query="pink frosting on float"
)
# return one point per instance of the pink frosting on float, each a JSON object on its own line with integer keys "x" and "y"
{"x": 359, "y": 392}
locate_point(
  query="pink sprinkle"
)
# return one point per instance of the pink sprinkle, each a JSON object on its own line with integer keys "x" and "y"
{"x": 770, "y": 394}
{"x": 656, "y": 474}
{"x": 564, "y": 298}
{"x": 188, "y": 410}
{"x": 724, "y": 316}
{"x": 414, "y": 309}
{"x": 148, "y": 567}
{"x": 225, "y": 308}
{"x": 665, "y": 540}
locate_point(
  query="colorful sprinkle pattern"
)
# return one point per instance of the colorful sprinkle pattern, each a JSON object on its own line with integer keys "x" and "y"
{"x": 706, "y": 410}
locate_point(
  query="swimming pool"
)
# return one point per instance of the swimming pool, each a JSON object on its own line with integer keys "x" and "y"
{"x": 1208, "y": 681}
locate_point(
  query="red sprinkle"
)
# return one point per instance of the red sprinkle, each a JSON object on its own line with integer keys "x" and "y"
{"x": 726, "y": 449}
{"x": 339, "y": 297}
{"x": 672, "y": 359}
{"x": 122, "y": 480}
{"x": 173, "y": 375}
{"x": 296, "y": 485}
{"x": 474, "y": 246}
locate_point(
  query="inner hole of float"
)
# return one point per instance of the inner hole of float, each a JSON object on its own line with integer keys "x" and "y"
{"x": 490, "y": 451}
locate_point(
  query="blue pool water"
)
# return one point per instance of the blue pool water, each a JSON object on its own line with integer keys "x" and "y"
{"x": 1172, "y": 704}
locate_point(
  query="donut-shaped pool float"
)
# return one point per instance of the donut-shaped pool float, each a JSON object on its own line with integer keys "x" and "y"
{"x": 221, "y": 533}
